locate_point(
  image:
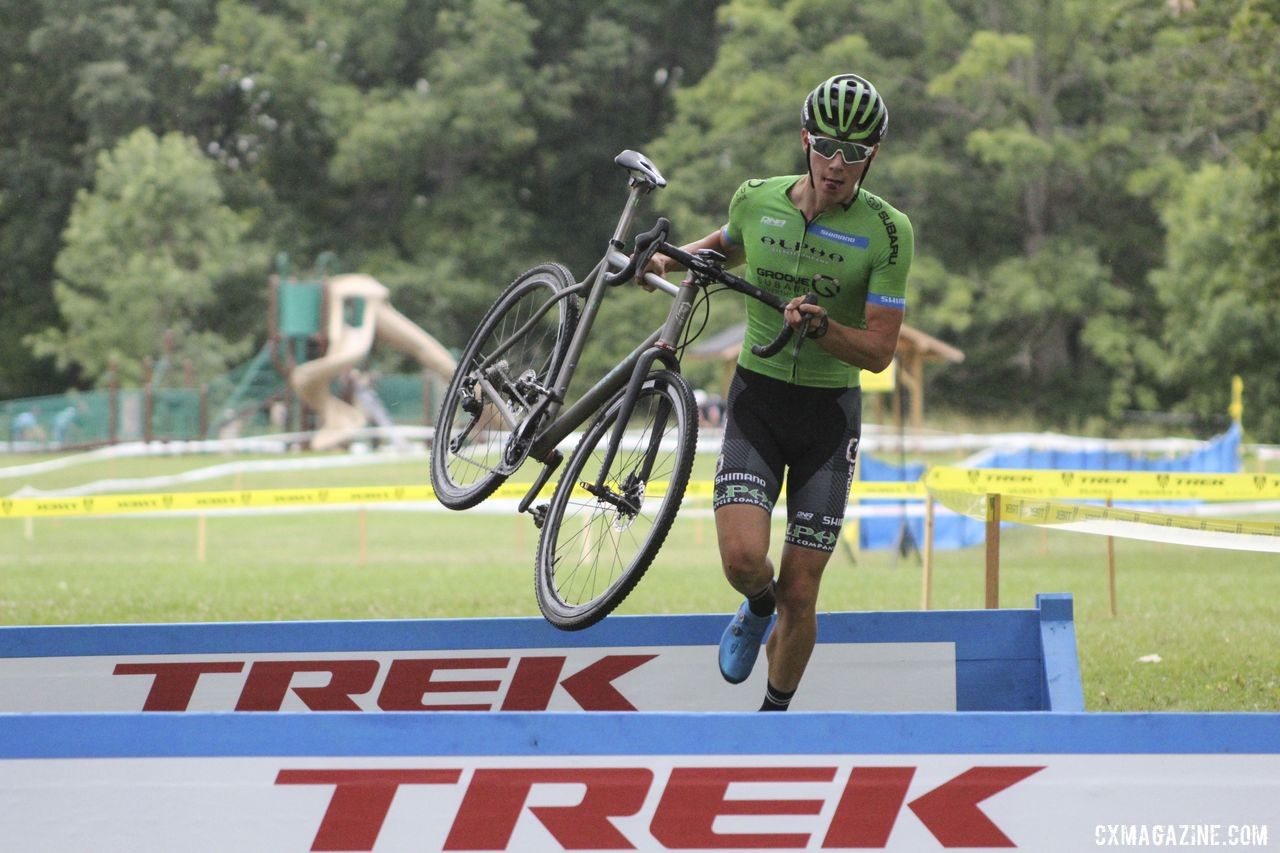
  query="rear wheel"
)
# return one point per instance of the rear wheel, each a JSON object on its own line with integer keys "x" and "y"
{"x": 598, "y": 542}
{"x": 507, "y": 367}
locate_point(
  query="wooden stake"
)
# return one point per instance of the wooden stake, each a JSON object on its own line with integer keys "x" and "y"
{"x": 1111, "y": 567}
{"x": 362, "y": 523}
{"x": 202, "y": 537}
{"x": 993, "y": 552}
{"x": 926, "y": 593}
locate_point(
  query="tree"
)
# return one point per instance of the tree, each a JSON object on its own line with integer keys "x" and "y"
{"x": 1220, "y": 319}
{"x": 146, "y": 251}
{"x": 1218, "y": 281}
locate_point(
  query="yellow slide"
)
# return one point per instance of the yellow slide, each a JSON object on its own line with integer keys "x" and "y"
{"x": 349, "y": 344}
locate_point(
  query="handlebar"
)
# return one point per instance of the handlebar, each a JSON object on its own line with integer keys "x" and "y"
{"x": 775, "y": 346}
{"x": 708, "y": 265}
{"x": 646, "y": 244}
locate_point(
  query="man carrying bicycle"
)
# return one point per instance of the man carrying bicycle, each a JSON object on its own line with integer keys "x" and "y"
{"x": 799, "y": 412}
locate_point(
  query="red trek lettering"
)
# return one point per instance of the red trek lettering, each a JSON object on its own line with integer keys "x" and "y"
{"x": 408, "y": 681}
{"x": 361, "y": 800}
{"x": 494, "y": 799}
{"x": 695, "y": 797}
{"x": 174, "y": 683}
{"x": 869, "y": 807}
{"x": 268, "y": 684}
{"x": 951, "y": 813}
{"x": 533, "y": 683}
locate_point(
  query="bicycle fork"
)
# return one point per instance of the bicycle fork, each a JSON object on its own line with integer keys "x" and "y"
{"x": 663, "y": 350}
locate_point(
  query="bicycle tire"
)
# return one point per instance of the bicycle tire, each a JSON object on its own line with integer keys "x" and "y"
{"x": 578, "y": 580}
{"x": 472, "y": 447}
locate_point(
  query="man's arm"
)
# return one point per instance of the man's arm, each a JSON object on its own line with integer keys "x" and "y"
{"x": 662, "y": 265}
{"x": 871, "y": 348}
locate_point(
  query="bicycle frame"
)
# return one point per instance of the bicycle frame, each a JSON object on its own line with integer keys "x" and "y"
{"x": 552, "y": 425}
{"x": 545, "y": 425}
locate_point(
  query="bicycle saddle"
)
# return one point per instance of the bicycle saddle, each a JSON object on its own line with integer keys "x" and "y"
{"x": 640, "y": 166}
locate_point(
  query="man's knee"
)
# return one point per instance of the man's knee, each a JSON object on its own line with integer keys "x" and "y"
{"x": 743, "y": 563}
{"x": 800, "y": 580}
{"x": 797, "y": 597}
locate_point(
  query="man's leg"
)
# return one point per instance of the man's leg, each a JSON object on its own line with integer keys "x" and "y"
{"x": 743, "y": 533}
{"x": 791, "y": 643}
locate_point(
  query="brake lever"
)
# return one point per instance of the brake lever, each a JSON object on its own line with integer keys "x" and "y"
{"x": 645, "y": 246}
{"x": 775, "y": 346}
{"x": 803, "y": 331}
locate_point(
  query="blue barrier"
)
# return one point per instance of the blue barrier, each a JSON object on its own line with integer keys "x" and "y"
{"x": 1222, "y": 453}
{"x": 537, "y": 778}
{"x": 529, "y": 782}
{"x": 985, "y": 660}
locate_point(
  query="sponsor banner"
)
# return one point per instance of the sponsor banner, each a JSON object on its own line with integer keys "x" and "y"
{"x": 646, "y": 782}
{"x": 1126, "y": 523}
{"x": 234, "y": 502}
{"x": 1147, "y": 486}
{"x": 842, "y": 676}
{"x": 995, "y": 660}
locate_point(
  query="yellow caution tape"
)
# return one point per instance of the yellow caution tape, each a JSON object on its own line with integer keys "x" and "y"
{"x": 277, "y": 498}
{"x": 973, "y": 482}
{"x": 704, "y": 489}
{"x": 1033, "y": 511}
{"x": 213, "y": 501}
{"x": 1099, "y": 485}
{"x": 1127, "y": 523}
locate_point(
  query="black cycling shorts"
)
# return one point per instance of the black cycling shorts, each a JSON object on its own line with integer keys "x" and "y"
{"x": 809, "y": 434}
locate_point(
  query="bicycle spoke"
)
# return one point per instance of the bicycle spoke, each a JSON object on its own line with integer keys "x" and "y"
{"x": 504, "y": 370}
{"x": 600, "y": 537}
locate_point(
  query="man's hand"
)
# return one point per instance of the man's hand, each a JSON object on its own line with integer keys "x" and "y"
{"x": 798, "y": 310}
{"x": 659, "y": 265}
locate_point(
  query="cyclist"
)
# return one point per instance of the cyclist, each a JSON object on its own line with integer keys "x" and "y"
{"x": 799, "y": 412}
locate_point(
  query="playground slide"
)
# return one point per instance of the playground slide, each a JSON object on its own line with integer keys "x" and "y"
{"x": 349, "y": 344}
{"x": 398, "y": 331}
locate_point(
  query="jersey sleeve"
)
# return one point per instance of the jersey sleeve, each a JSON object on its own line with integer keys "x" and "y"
{"x": 732, "y": 231}
{"x": 888, "y": 283}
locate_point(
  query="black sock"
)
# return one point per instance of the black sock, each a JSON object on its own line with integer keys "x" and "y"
{"x": 775, "y": 699}
{"x": 763, "y": 602}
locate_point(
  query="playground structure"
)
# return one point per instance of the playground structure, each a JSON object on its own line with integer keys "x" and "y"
{"x": 359, "y": 312}
{"x": 320, "y": 330}
{"x": 323, "y": 327}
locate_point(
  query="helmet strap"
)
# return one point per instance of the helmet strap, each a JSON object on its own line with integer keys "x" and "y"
{"x": 858, "y": 186}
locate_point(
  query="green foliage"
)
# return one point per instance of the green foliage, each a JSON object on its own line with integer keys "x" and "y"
{"x": 145, "y": 252}
{"x": 1041, "y": 151}
{"x": 1220, "y": 310}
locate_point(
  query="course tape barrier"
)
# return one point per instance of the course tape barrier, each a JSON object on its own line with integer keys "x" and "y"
{"x": 1149, "y": 486}
{"x": 1122, "y": 523}
{"x": 230, "y": 501}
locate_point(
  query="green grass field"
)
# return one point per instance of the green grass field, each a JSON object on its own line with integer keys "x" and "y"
{"x": 1211, "y": 616}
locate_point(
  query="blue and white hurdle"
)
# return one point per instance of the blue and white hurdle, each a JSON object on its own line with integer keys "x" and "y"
{"x": 919, "y": 731}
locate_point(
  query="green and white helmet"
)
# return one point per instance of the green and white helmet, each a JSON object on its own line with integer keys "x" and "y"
{"x": 846, "y": 107}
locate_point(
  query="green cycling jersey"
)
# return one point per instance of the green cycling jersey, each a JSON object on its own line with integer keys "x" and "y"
{"x": 848, "y": 256}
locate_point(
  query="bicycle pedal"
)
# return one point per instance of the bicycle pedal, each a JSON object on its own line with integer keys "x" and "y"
{"x": 539, "y": 514}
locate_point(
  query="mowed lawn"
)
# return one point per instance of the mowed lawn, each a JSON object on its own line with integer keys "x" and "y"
{"x": 1210, "y": 616}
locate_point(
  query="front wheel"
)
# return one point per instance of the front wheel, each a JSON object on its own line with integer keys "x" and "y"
{"x": 602, "y": 532}
{"x": 507, "y": 368}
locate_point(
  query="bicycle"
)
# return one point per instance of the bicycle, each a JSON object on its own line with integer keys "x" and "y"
{"x": 506, "y": 404}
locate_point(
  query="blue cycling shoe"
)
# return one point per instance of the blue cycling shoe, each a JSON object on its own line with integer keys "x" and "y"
{"x": 740, "y": 644}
